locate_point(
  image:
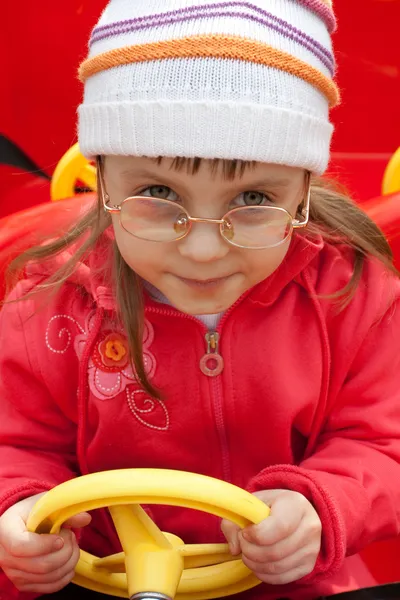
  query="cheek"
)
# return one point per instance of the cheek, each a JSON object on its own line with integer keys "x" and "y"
{"x": 262, "y": 263}
{"x": 143, "y": 257}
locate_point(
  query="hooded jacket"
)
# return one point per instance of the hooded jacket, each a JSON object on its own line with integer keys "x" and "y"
{"x": 308, "y": 400}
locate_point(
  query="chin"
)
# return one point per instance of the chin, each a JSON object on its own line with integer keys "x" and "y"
{"x": 204, "y": 307}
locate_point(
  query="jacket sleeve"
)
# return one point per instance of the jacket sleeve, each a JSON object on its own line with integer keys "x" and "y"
{"x": 37, "y": 439}
{"x": 353, "y": 475}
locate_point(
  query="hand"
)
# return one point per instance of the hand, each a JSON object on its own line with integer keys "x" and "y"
{"x": 38, "y": 563}
{"x": 285, "y": 546}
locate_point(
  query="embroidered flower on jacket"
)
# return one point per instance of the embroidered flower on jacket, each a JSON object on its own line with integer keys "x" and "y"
{"x": 109, "y": 369}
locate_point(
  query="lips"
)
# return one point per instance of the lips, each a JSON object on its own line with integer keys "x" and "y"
{"x": 205, "y": 281}
{"x": 205, "y": 285}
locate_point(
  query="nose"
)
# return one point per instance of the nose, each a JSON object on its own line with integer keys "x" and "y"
{"x": 204, "y": 243}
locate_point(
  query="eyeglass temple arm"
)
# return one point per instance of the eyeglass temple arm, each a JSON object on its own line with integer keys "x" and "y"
{"x": 102, "y": 188}
{"x": 297, "y": 223}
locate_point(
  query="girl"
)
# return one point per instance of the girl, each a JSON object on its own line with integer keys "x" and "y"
{"x": 219, "y": 311}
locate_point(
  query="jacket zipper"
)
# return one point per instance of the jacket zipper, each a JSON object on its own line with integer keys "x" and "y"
{"x": 213, "y": 364}
{"x": 217, "y": 398}
{"x": 212, "y": 355}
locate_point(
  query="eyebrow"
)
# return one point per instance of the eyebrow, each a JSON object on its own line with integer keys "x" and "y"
{"x": 132, "y": 173}
{"x": 275, "y": 182}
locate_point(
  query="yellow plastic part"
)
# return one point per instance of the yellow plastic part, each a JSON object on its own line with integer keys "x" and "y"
{"x": 147, "y": 551}
{"x": 151, "y": 560}
{"x": 391, "y": 178}
{"x": 72, "y": 167}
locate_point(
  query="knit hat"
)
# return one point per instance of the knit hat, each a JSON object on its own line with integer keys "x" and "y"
{"x": 201, "y": 78}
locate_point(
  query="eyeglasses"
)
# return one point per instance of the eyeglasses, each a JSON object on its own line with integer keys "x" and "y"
{"x": 252, "y": 227}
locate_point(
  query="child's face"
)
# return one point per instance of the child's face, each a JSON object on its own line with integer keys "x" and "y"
{"x": 201, "y": 273}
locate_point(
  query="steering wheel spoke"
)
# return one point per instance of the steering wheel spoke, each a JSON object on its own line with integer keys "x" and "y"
{"x": 135, "y": 527}
{"x": 204, "y": 555}
{"x": 149, "y": 556}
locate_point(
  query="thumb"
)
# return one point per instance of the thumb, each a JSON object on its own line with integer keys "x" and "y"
{"x": 269, "y": 497}
{"x": 231, "y": 532}
{"x": 78, "y": 521}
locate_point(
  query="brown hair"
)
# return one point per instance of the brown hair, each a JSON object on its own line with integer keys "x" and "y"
{"x": 332, "y": 215}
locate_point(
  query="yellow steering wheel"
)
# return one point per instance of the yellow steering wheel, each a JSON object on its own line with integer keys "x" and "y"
{"x": 72, "y": 167}
{"x": 154, "y": 565}
{"x": 391, "y": 179}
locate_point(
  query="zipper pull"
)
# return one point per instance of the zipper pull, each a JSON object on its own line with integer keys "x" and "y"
{"x": 212, "y": 363}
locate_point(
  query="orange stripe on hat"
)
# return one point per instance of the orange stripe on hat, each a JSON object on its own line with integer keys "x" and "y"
{"x": 213, "y": 46}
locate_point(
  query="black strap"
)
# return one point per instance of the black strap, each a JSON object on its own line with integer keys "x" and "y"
{"x": 13, "y": 156}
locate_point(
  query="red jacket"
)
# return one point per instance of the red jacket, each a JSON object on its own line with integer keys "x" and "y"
{"x": 309, "y": 400}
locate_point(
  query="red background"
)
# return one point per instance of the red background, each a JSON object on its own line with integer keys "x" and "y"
{"x": 44, "y": 42}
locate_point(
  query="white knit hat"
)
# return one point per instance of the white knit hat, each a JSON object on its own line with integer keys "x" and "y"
{"x": 201, "y": 78}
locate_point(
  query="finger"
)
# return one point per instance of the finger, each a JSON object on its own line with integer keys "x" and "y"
{"x": 19, "y": 542}
{"x": 21, "y": 577}
{"x": 275, "y": 552}
{"x": 305, "y": 557}
{"x": 43, "y": 565}
{"x": 78, "y": 521}
{"x": 47, "y": 588}
{"x": 287, "y": 511}
{"x": 285, "y": 578}
{"x": 231, "y": 532}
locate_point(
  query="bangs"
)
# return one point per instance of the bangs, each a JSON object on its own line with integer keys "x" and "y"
{"x": 231, "y": 169}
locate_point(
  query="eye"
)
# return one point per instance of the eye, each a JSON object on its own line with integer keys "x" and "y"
{"x": 252, "y": 199}
{"x": 160, "y": 191}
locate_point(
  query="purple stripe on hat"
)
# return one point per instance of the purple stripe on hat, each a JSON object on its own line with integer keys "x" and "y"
{"x": 173, "y": 17}
{"x": 326, "y": 13}
{"x": 317, "y": 6}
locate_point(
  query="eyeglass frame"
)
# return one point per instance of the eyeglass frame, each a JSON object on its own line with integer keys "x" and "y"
{"x": 294, "y": 223}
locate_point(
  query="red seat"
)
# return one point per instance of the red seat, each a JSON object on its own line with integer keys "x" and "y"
{"x": 361, "y": 174}
{"x": 385, "y": 211}
{"x": 21, "y": 230}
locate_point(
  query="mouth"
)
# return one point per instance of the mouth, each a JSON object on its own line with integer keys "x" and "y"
{"x": 205, "y": 283}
